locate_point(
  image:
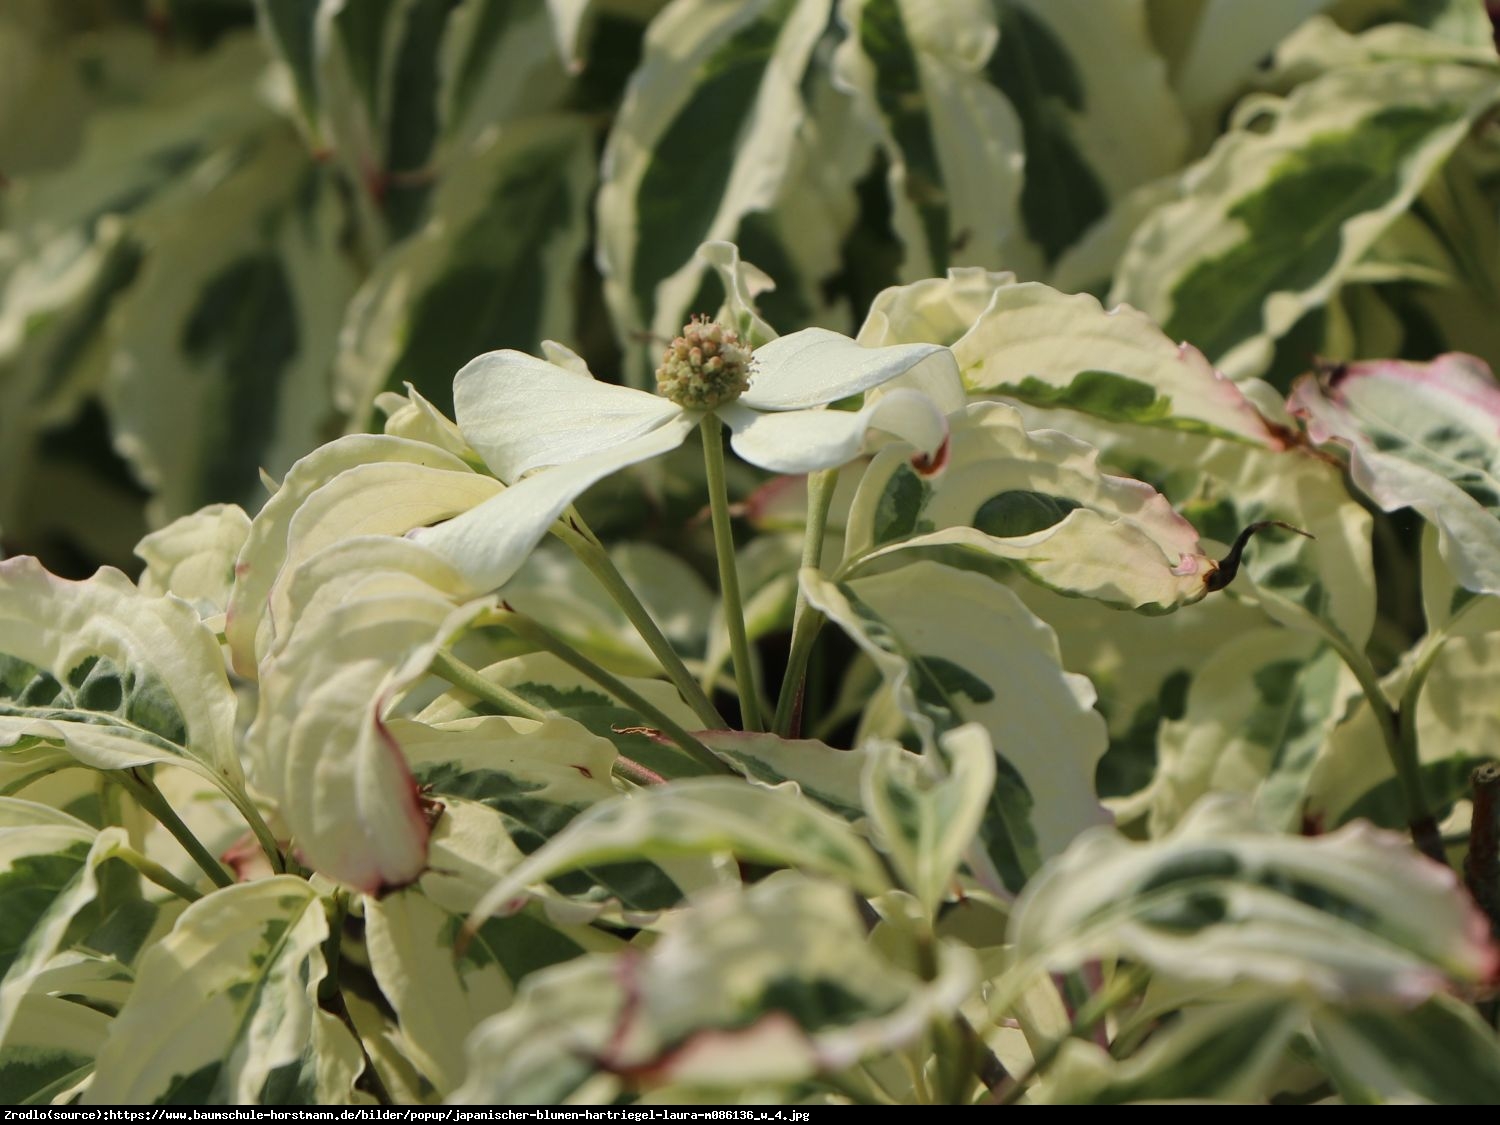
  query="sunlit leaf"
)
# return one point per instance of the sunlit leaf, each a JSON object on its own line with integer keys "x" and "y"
{"x": 225, "y": 1009}
{"x": 1357, "y": 915}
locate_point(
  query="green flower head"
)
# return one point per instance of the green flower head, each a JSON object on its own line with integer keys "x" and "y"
{"x": 708, "y": 366}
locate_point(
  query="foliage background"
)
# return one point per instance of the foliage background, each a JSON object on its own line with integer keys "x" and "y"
{"x": 227, "y": 227}
{"x": 234, "y": 232}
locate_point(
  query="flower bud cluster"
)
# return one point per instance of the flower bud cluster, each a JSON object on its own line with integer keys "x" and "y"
{"x": 706, "y": 367}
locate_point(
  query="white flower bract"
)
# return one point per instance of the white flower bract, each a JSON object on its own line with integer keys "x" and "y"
{"x": 549, "y": 430}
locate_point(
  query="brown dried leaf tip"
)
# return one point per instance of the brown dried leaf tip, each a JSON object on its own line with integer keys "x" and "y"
{"x": 1228, "y": 567}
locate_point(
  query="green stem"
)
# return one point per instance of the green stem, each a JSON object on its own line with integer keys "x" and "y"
{"x": 331, "y": 999}
{"x": 158, "y": 874}
{"x": 729, "y": 576}
{"x": 1400, "y": 744}
{"x": 588, "y": 551}
{"x": 546, "y": 640}
{"x": 262, "y": 832}
{"x": 1121, "y": 988}
{"x": 149, "y": 797}
{"x": 805, "y": 621}
{"x": 463, "y": 677}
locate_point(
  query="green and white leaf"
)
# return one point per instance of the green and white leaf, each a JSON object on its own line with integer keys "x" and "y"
{"x": 699, "y": 817}
{"x": 498, "y": 66}
{"x": 115, "y": 677}
{"x": 1037, "y": 500}
{"x": 221, "y": 347}
{"x": 1259, "y": 710}
{"x": 225, "y": 1009}
{"x": 493, "y": 267}
{"x": 322, "y": 750}
{"x": 1214, "y": 48}
{"x": 1354, "y": 916}
{"x": 1422, "y": 436}
{"x": 1048, "y": 349}
{"x": 248, "y": 626}
{"x": 924, "y": 821}
{"x": 1285, "y": 204}
{"x": 50, "y": 861}
{"x": 703, "y": 138}
{"x": 193, "y": 557}
{"x": 537, "y": 778}
{"x": 766, "y": 986}
{"x": 49, "y": 1050}
{"x": 1441, "y": 1053}
{"x": 1141, "y": 667}
{"x": 956, "y": 647}
{"x": 954, "y": 143}
{"x": 1083, "y": 77}
{"x": 828, "y": 776}
{"x": 546, "y": 682}
{"x": 1231, "y": 1052}
{"x": 438, "y": 993}
{"x": 1449, "y": 609}
{"x": 52, "y": 303}
{"x": 1456, "y": 729}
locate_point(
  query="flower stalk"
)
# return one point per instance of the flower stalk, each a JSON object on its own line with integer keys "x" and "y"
{"x": 729, "y": 576}
{"x": 149, "y": 797}
{"x": 805, "y": 621}
{"x": 527, "y": 629}
{"x": 598, "y": 563}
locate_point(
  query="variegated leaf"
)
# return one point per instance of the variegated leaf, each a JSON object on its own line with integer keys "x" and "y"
{"x": 51, "y": 357}
{"x": 49, "y": 1050}
{"x": 50, "y": 863}
{"x": 538, "y": 778}
{"x": 1441, "y": 1053}
{"x": 1354, "y": 916}
{"x": 442, "y": 981}
{"x": 114, "y": 676}
{"x": 959, "y": 647}
{"x": 1037, "y": 500}
{"x": 702, "y": 140}
{"x": 1141, "y": 667}
{"x": 493, "y": 268}
{"x": 828, "y": 776}
{"x": 1456, "y": 729}
{"x": 289, "y": 28}
{"x": 918, "y": 72}
{"x": 220, "y": 350}
{"x": 1258, "y": 713}
{"x": 926, "y": 821}
{"x": 194, "y": 556}
{"x": 225, "y": 1009}
{"x": 438, "y": 993}
{"x": 546, "y": 682}
{"x": 766, "y": 986}
{"x": 1082, "y": 76}
{"x": 1038, "y": 345}
{"x": 1448, "y": 608}
{"x": 1286, "y": 203}
{"x": 1230, "y": 1052}
{"x": 1213, "y": 50}
{"x": 699, "y": 817}
{"x": 432, "y": 483}
{"x": 1422, "y": 436}
{"x": 322, "y": 749}
{"x": 1222, "y": 487}
{"x": 496, "y": 66}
